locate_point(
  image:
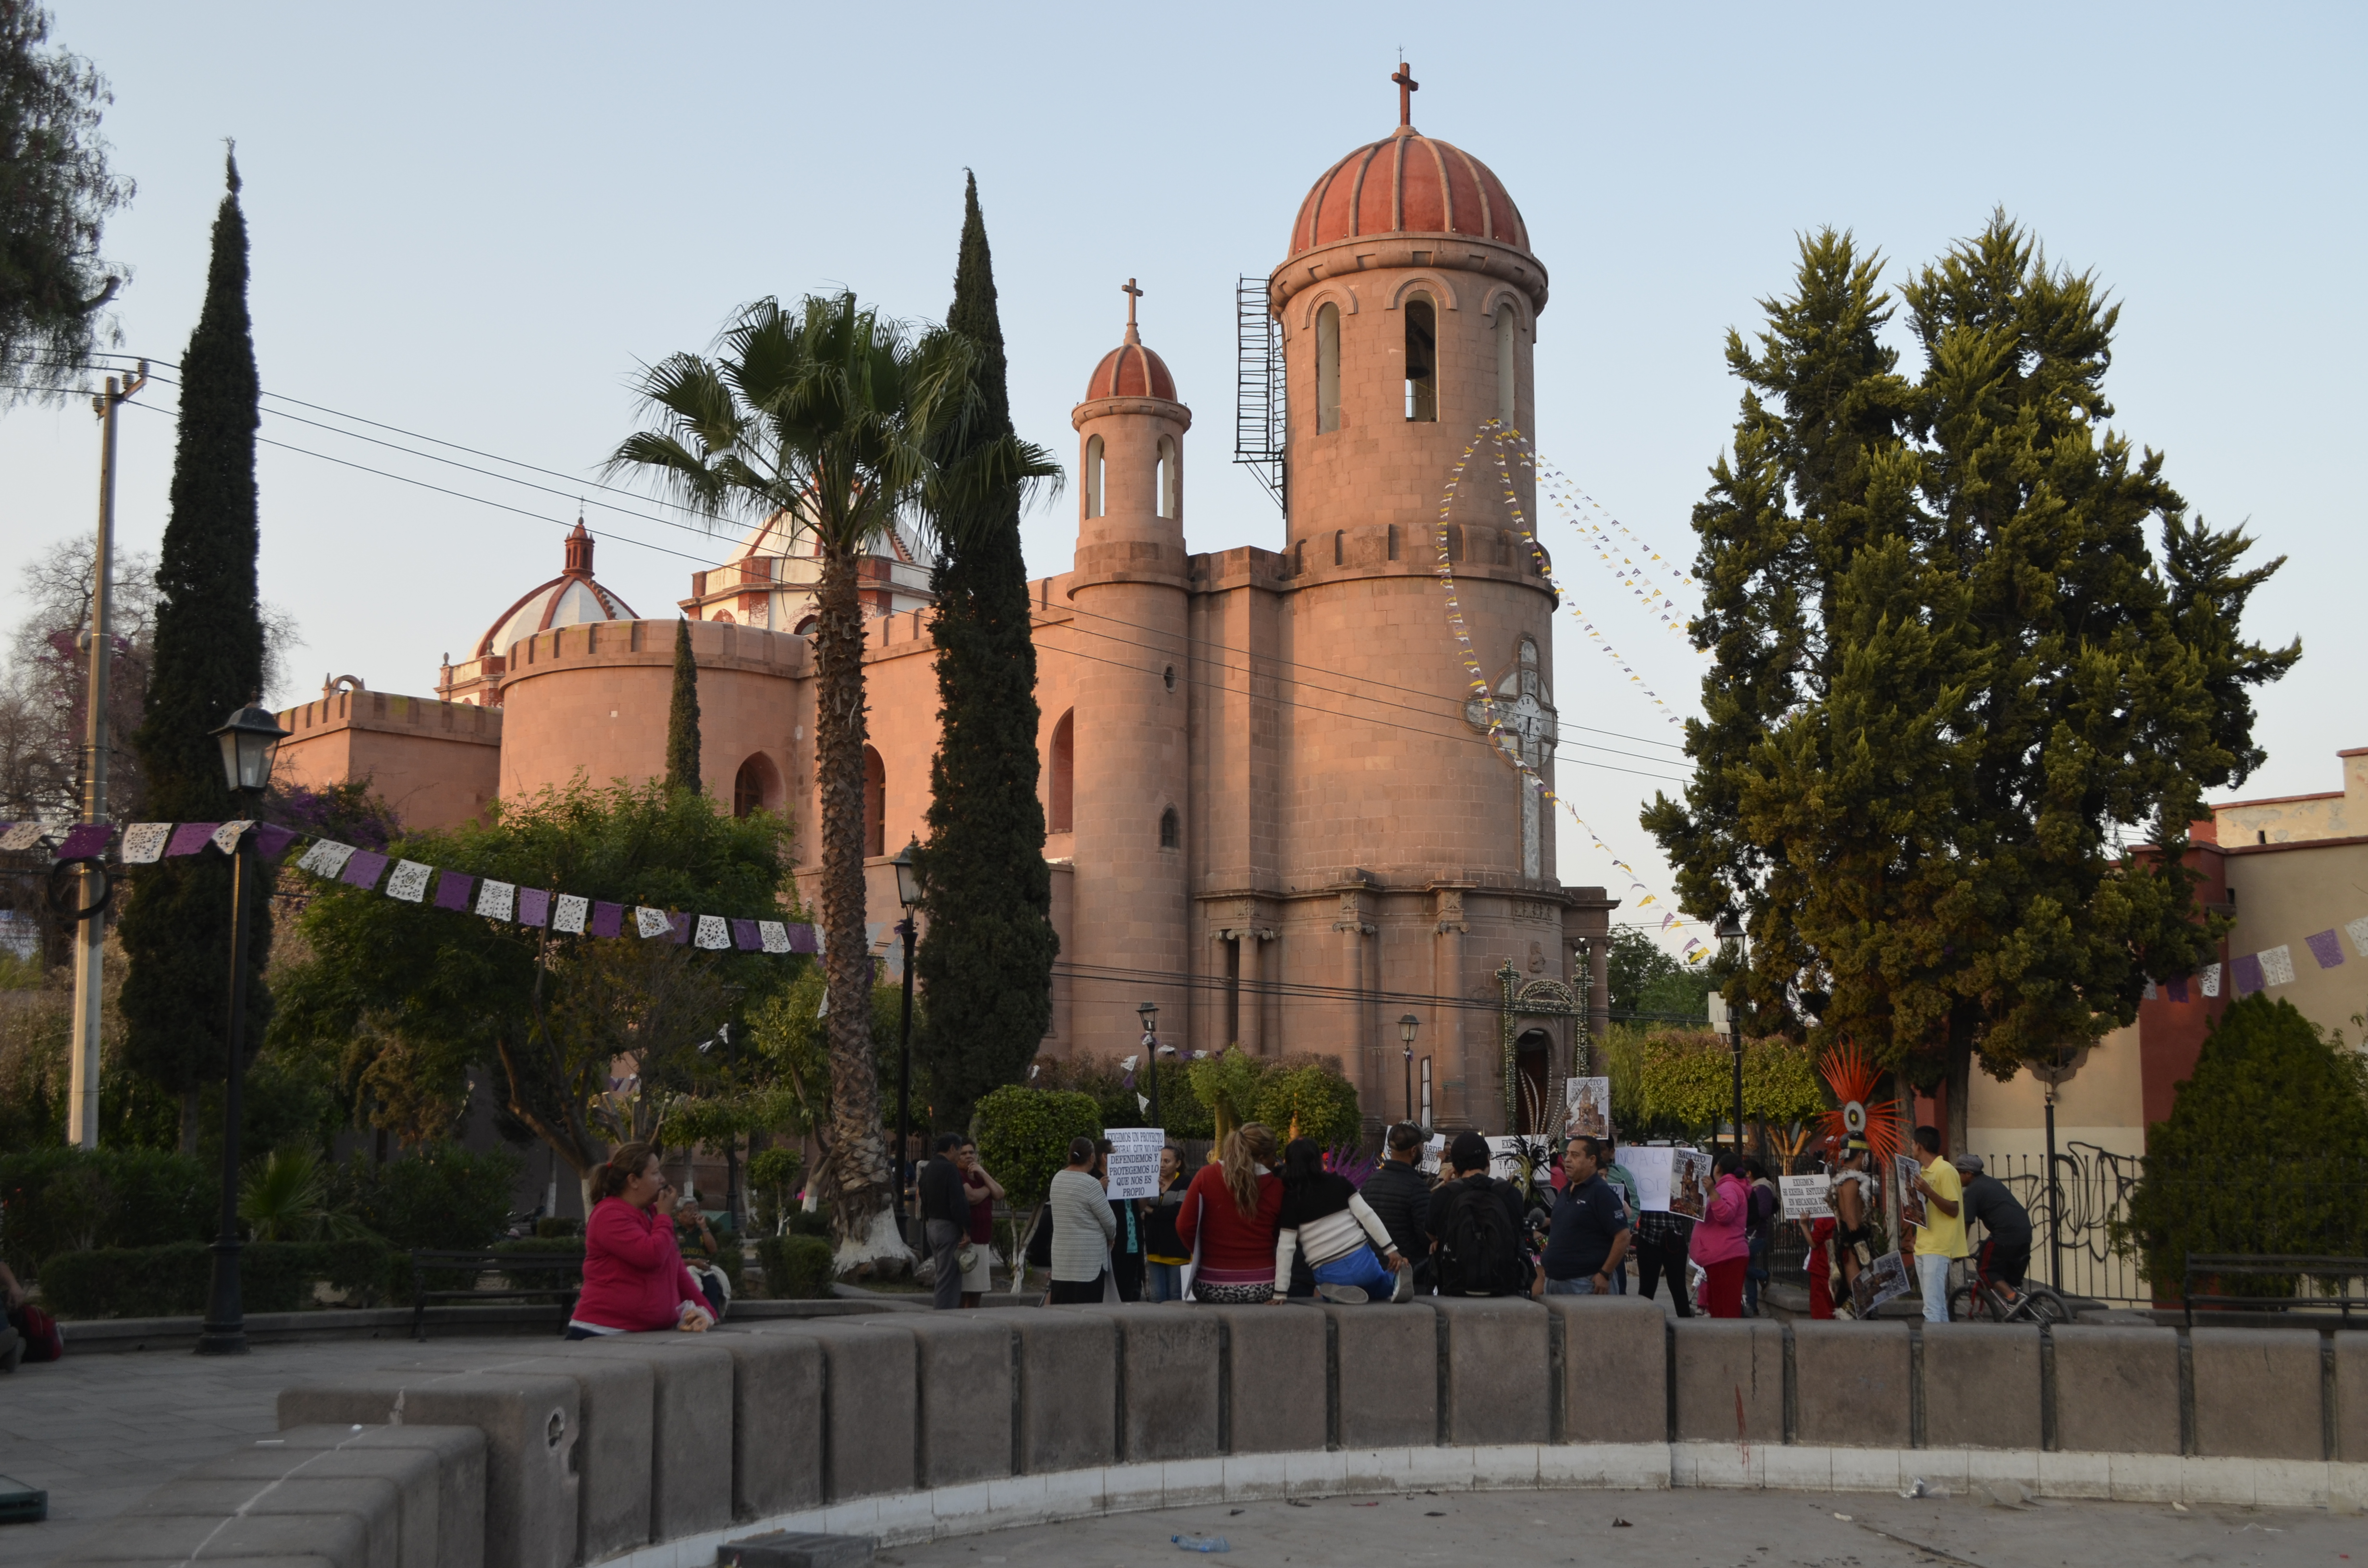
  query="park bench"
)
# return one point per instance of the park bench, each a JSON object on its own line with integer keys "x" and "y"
{"x": 2214, "y": 1267}
{"x": 514, "y": 1267}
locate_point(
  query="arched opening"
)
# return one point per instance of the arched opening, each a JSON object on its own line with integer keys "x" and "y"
{"x": 757, "y": 787}
{"x": 875, "y": 803}
{"x": 805, "y": 625}
{"x": 722, "y": 615}
{"x": 1507, "y": 383}
{"x": 1421, "y": 359}
{"x": 1327, "y": 368}
{"x": 1165, "y": 491}
{"x": 1532, "y": 683}
{"x": 1530, "y": 1054}
{"x": 1064, "y": 788}
{"x": 1171, "y": 830}
{"x": 1339, "y": 546}
{"x": 1093, "y": 476}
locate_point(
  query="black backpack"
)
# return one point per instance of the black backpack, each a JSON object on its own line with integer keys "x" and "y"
{"x": 1479, "y": 1252}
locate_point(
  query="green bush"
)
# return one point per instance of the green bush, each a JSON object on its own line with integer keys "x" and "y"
{"x": 1321, "y": 1103}
{"x": 62, "y": 1200}
{"x": 443, "y": 1195}
{"x": 1103, "y": 1080}
{"x": 549, "y": 1228}
{"x": 814, "y": 1224}
{"x": 797, "y": 1269}
{"x": 1023, "y": 1136}
{"x": 174, "y": 1280}
{"x": 2265, "y": 1151}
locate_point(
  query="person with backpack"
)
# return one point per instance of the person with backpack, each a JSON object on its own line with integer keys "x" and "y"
{"x": 1322, "y": 1214}
{"x": 1718, "y": 1241}
{"x": 1759, "y": 1233}
{"x": 1474, "y": 1225}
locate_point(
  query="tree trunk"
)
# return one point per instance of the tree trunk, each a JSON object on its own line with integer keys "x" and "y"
{"x": 1960, "y": 1082}
{"x": 864, "y": 1218}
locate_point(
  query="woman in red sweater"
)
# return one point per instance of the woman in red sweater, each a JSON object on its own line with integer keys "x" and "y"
{"x": 1232, "y": 1209}
{"x": 634, "y": 1281}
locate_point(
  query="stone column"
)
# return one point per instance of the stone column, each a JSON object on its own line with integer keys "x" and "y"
{"x": 1450, "y": 1071}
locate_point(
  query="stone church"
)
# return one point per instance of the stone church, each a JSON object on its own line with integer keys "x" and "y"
{"x": 1271, "y": 810}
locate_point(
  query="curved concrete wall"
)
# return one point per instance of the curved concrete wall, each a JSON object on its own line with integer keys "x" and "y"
{"x": 656, "y": 1449}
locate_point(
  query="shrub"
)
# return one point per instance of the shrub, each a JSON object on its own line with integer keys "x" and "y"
{"x": 551, "y": 1228}
{"x": 1687, "y": 1078}
{"x": 62, "y": 1200}
{"x": 797, "y": 1269}
{"x": 1023, "y": 1136}
{"x": 2265, "y": 1151}
{"x": 1102, "y": 1079}
{"x": 443, "y": 1195}
{"x": 174, "y": 1280}
{"x": 1311, "y": 1096}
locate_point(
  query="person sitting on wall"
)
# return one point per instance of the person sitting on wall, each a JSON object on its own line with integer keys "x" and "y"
{"x": 634, "y": 1280}
{"x": 1474, "y": 1225}
{"x": 1323, "y": 1212}
{"x": 1400, "y": 1194}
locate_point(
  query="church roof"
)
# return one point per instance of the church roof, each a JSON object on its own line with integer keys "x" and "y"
{"x": 1131, "y": 370}
{"x": 1407, "y": 183}
{"x": 571, "y": 599}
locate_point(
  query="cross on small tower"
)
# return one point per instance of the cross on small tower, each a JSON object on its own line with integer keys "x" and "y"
{"x": 1407, "y": 88}
{"x": 1133, "y": 294}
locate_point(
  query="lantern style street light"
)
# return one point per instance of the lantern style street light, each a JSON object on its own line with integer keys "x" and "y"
{"x": 908, "y": 894}
{"x": 250, "y": 740}
{"x": 1407, "y": 1024}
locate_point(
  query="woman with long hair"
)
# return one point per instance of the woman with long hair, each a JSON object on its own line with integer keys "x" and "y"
{"x": 634, "y": 1280}
{"x": 1232, "y": 1210}
{"x": 1323, "y": 1213}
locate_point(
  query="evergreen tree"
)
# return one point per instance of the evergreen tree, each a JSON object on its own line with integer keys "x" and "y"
{"x": 986, "y": 957}
{"x": 1950, "y": 669}
{"x": 682, "y": 717}
{"x": 209, "y": 661}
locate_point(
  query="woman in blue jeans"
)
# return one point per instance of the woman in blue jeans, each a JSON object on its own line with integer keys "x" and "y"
{"x": 1322, "y": 1214}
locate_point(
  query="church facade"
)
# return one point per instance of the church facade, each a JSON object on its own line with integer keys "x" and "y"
{"x": 1274, "y": 809}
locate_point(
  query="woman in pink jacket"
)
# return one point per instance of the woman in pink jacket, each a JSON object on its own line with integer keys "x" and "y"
{"x": 634, "y": 1280}
{"x": 1720, "y": 1245}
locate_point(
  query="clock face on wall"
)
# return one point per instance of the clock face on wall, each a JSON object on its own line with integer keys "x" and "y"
{"x": 1525, "y": 721}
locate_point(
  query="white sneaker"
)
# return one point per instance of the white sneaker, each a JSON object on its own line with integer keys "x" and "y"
{"x": 1405, "y": 1290}
{"x": 1346, "y": 1295}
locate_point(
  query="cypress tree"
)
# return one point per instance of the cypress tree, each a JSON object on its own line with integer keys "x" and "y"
{"x": 208, "y": 662}
{"x": 986, "y": 957}
{"x": 682, "y": 717}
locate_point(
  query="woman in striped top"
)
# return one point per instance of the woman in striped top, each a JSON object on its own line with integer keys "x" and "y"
{"x": 1323, "y": 1212}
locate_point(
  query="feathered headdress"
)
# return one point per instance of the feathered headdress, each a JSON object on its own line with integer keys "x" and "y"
{"x": 1853, "y": 1079}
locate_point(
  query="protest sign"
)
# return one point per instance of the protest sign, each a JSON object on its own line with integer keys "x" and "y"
{"x": 1690, "y": 1183}
{"x": 1648, "y": 1167}
{"x": 1907, "y": 1173}
{"x": 1134, "y": 1161}
{"x": 1806, "y": 1197}
{"x": 1589, "y": 1108}
{"x": 1883, "y": 1280}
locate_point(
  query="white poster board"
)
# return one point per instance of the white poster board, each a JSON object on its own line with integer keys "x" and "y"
{"x": 1434, "y": 1149}
{"x": 1134, "y": 1161}
{"x": 1589, "y": 1108}
{"x": 1504, "y": 1167}
{"x": 1649, "y": 1168}
{"x": 1806, "y": 1197}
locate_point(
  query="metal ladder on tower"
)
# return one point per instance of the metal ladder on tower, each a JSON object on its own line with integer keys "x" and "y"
{"x": 1260, "y": 430}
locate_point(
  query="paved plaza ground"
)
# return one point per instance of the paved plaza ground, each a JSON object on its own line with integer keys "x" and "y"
{"x": 98, "y": 1431}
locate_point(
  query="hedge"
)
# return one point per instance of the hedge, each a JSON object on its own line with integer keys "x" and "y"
{"x": 797, "y": 1269}
{"x": 174, "y": 1280}
{"x": 61, "y": 1200}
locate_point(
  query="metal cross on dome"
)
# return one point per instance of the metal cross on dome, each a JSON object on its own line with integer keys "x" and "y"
{"x": 1407, "y": 88}
{"x": 1133, "y": 294}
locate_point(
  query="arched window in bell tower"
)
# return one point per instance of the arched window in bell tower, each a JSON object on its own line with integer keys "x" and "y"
{"x": 1166, "y": 492}
{"x": 1421, "y": 359}
{"x": 1061, "y": 817}
{"x": 1093, "y": 476}
{"x": 1327, "y": 368}
{"x": 1507, "y": 379}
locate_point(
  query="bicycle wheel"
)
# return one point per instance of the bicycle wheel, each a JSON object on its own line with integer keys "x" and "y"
{"x": 1969, "y": 1305}
{"x": 2041, "y": 1304}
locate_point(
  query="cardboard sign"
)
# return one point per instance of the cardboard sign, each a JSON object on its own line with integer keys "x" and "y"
{"x": 1883, "y": 1280}
{"x": 1134, "y": 1161}
{"x": 1589, "y": 1111}
{"x": 1806, "y": 1197}
{"x": 1905, "y": 1172}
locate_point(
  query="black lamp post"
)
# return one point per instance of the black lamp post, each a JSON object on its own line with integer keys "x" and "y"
{"x": 1149, "y": 1013}
{"x": 908, "y": 894}
{"x": 1407, "y": 1024}
{"x": 1730, "y": 931}
{"x": 249, "y": 741}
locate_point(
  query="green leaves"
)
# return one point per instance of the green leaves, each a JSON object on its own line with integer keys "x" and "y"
{"x": 1953, "y": 675}
{"x": 1024, "y": 1137}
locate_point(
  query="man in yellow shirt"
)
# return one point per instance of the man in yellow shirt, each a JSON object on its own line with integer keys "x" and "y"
{"x": 1940, "y": 1240}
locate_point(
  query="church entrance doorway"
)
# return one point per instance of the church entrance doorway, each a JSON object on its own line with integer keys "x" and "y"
{"x": 1531, "y": 1053}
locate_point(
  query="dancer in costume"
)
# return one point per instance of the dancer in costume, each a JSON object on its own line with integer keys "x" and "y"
{"x": 1855, "y": 1199}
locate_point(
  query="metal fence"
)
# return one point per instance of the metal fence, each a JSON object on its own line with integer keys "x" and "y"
{"x": 2093, "y": 1186}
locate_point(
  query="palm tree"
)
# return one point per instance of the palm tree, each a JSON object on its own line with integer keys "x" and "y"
{"x": 830, "y": 414}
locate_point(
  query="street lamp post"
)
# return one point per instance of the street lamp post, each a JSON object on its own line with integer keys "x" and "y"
{"x": 1149, "y": 1013}
{"x": 1407, "y": 1024}
{"x": 908, "y": 894}
{"x": 1730, "y": 929}
{"x": 249, "y": 741}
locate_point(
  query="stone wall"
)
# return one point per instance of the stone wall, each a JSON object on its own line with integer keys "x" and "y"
{"x": 909, "y": 1425}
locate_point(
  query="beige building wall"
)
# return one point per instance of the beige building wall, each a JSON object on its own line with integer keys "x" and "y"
{"x": 2292, "y": 819}
{"x": 436, "y": 763}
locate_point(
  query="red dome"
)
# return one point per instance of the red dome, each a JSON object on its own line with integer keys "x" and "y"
{"x": 1408, "y": 183}
{"x": 1131, "y": 370}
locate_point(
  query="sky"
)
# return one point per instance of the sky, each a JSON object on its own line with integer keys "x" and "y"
{"x": 475, "y": 224}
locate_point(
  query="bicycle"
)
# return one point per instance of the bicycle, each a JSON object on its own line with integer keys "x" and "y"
{"x": 1983, "y": 1300}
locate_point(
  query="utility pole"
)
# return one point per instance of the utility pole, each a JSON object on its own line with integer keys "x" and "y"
{"x": 90, "y": 934}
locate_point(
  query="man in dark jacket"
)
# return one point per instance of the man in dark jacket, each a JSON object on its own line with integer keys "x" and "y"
{"x": 1400, "y": 1194}
{"x": 1476, "y": 1222}
{"x": 945, "y": 1217}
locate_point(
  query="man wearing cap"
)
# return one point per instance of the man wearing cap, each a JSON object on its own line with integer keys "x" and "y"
{"x": 2006, "y": 1225}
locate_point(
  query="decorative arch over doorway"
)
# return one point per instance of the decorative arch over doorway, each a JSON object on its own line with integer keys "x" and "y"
{"x": 757, "y": 787}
